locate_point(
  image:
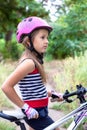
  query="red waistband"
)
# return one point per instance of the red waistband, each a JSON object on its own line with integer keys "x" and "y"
{"x": 37, "y": 103}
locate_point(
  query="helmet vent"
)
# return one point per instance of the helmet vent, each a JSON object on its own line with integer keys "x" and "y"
{"x": 30, "y": 19}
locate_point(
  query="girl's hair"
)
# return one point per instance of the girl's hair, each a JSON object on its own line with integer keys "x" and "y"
{"x": 32, "y": 55}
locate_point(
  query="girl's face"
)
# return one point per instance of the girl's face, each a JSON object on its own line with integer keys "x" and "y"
{"x": 40, "y": 41}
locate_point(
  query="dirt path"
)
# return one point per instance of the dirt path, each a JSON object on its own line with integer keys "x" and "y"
{"x": 56, "y": 115}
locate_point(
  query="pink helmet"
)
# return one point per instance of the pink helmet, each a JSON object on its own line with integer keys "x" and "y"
{"x": 28, "y": 25}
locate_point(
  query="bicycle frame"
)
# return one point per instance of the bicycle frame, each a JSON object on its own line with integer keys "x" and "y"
{"x": 78, "y": 114}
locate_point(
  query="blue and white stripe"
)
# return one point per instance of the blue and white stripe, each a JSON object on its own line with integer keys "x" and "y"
{"x": 32, "y": 87}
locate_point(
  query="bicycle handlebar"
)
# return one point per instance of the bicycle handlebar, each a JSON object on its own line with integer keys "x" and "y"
{"x": 80, "y": 92}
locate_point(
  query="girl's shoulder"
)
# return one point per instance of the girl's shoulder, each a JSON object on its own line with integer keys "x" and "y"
{"x": 27, "y": 64}
{"x": 26, "y": 59}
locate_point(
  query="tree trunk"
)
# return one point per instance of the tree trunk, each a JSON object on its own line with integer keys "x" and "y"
{"x": 8, "y": 36}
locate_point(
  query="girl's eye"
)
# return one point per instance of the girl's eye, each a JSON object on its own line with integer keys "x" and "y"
{"x": 42, "y": 37}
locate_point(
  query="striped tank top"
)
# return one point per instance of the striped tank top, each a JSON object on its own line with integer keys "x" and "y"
{"x": 33, "y": 91}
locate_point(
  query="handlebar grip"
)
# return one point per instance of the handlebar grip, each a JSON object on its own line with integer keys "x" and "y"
{"x": 54, "y": 96}
{"x": 80, "y": 92}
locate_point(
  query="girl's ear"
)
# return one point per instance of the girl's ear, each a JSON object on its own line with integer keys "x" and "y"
{"x": 28, "y": 42}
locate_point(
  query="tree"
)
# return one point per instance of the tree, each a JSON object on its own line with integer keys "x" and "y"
{"x": 11, "y": 13}
{"x": 13, "y": 10}
{"x": 69, "y": 37}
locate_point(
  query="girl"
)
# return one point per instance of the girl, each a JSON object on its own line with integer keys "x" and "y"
{"x": 33, "y": 33}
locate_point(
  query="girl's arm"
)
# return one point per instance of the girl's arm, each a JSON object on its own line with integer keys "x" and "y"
{"x": 21, "y": 71}
{"x": 49, "y": 93}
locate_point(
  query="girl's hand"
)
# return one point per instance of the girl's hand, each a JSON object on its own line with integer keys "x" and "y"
{"x": 56, "y": 96}
{"x": 30, "y": 112}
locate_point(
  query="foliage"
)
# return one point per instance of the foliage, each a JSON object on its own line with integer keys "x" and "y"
{"x": 10, "y": 50}
{"x": 62, "y": 46}
{"x": 12, "y": 11}
{"x": 69, "y": 37}
{"x": 71, "y": 72}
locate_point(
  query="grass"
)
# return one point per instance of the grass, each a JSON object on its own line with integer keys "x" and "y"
{"x": 5, "y": 69}
{"x": 66, "y": 74}
{"x": 6, "y": 126}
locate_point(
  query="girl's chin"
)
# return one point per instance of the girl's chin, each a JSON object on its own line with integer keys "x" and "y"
{"x": 44, "y": 51}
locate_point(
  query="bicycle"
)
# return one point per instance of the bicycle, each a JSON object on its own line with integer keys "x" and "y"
{"x": 79, "y": 114}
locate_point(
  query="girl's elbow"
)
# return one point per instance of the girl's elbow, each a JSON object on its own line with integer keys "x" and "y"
{"x": 4, "y": 88}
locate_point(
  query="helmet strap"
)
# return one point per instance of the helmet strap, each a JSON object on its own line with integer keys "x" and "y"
{"x": 32, "y": 49}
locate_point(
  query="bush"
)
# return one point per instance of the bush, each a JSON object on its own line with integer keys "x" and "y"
{"x": 63, "y": 44}
{"x": 10, "y": 50}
